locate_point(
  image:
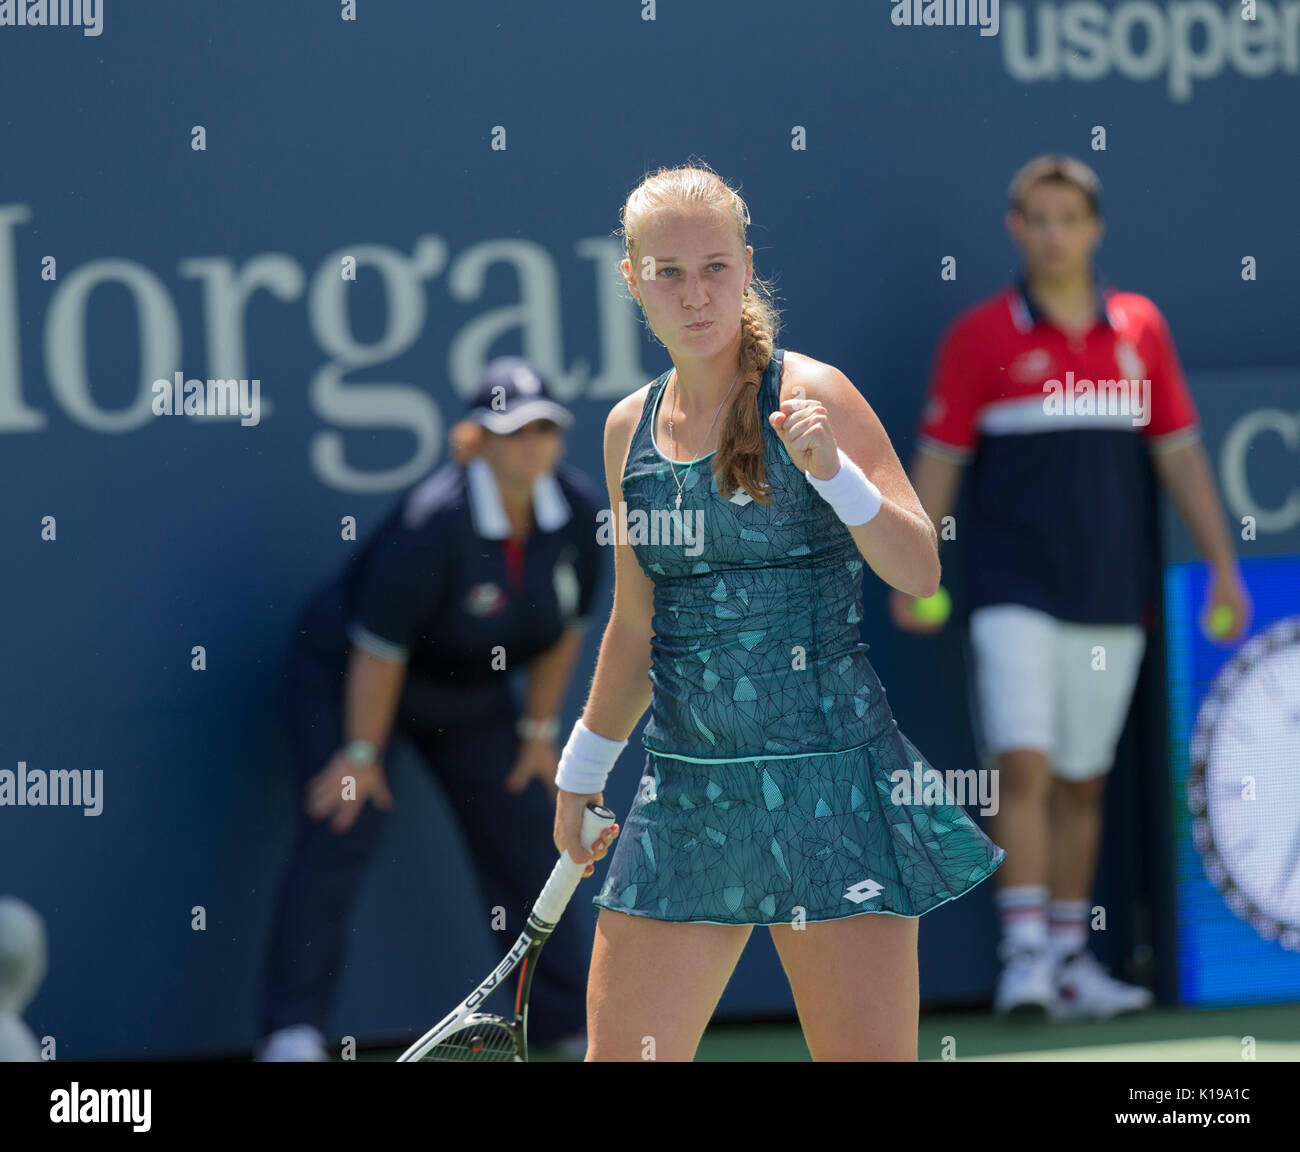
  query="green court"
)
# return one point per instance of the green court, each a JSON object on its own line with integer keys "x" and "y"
{"x": 1163, "y": 1035}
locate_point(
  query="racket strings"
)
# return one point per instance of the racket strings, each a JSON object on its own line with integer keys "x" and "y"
{"x": 483, "y": 1041}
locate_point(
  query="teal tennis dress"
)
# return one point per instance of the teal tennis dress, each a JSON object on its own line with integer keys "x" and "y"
{"x": 770, "y": 790}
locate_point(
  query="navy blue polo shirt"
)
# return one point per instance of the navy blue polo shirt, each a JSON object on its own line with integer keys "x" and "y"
{"x": 1058, "y": 431}
{"x": 441, "y": 586}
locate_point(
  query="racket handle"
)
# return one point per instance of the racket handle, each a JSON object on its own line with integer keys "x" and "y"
{"x": 566, "y": 874}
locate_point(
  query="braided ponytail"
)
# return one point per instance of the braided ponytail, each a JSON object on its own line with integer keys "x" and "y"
{"x": 738, "y": 463}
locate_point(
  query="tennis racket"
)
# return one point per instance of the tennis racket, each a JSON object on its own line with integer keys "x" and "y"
{"x": 466, "y": 1034}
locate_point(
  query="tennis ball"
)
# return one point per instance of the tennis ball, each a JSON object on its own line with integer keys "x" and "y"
{"x": 1221, "y": 621}
{"x": 933, "y": 609}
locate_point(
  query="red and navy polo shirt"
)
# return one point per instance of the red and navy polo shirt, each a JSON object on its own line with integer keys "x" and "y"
{"x": 1062, "y": 508}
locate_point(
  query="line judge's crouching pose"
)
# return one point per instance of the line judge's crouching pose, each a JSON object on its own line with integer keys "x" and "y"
{"x": 770, "y": 746}
{"x": 494, "y": 552}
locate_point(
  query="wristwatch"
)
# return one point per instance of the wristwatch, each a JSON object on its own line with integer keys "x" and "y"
{"x": 530, "y": 729}
{"x": 361, "y": 752}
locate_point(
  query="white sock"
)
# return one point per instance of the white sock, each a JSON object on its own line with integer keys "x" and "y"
{"x": 1022, "y": 911}
{"x": 1067, "y": 922}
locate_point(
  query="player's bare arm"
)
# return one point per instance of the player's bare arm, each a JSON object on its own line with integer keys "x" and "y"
{"x": 1185, "y": 473}
{"x": 899, "y": 543}
{"x": 936, "y": 481}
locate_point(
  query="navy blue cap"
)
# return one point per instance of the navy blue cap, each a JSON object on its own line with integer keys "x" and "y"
{"x": 512, "y": 393}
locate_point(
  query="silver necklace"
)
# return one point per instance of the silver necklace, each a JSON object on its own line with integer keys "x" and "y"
{"x": 673, "y": 440}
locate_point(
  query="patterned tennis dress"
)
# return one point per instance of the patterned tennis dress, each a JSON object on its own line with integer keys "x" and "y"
{"x": 771, "y": 752}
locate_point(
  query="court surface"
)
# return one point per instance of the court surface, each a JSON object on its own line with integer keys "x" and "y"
{"x": 1162, "y": 1035}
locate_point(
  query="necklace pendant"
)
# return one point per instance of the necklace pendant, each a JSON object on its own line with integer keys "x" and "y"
{"x": 679, "y": 501}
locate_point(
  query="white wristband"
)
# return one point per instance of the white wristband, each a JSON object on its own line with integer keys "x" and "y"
{"x": 855, "y": 499}
{"x": 586, "y": 761}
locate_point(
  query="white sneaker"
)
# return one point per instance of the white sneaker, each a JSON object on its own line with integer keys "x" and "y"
{"x": 1027, "y": 985}
{"x": 1084, "y": 991}
{"x": 300, "y": 1042}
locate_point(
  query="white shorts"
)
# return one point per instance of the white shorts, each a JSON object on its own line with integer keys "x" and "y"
{"x": 1038, "y": 683}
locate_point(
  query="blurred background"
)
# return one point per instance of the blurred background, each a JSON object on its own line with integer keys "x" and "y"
{"x": 374, "y": 138}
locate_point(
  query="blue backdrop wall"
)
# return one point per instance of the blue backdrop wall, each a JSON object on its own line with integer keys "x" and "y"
{"x": 867, "y": 151}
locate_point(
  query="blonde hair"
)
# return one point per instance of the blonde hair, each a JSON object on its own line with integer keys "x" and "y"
{"x": 738, "y": 462}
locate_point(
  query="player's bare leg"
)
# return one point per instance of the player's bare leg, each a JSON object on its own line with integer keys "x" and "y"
{"x": 856, "y": 985}
{"x": 654, "y": 985}
{"x": 1026, "y": 984}
{"x": 1075, "y": 823}
{"x": 1021, "y": 823}
{"x": 1084, "y": 988}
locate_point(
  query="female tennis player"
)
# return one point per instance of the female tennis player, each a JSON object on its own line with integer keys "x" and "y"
{"x": 772, "y": 791}
{"x": 492, "y": 556}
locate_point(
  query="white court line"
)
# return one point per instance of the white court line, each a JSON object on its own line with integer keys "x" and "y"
{"x": 1223, "y": 1049}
